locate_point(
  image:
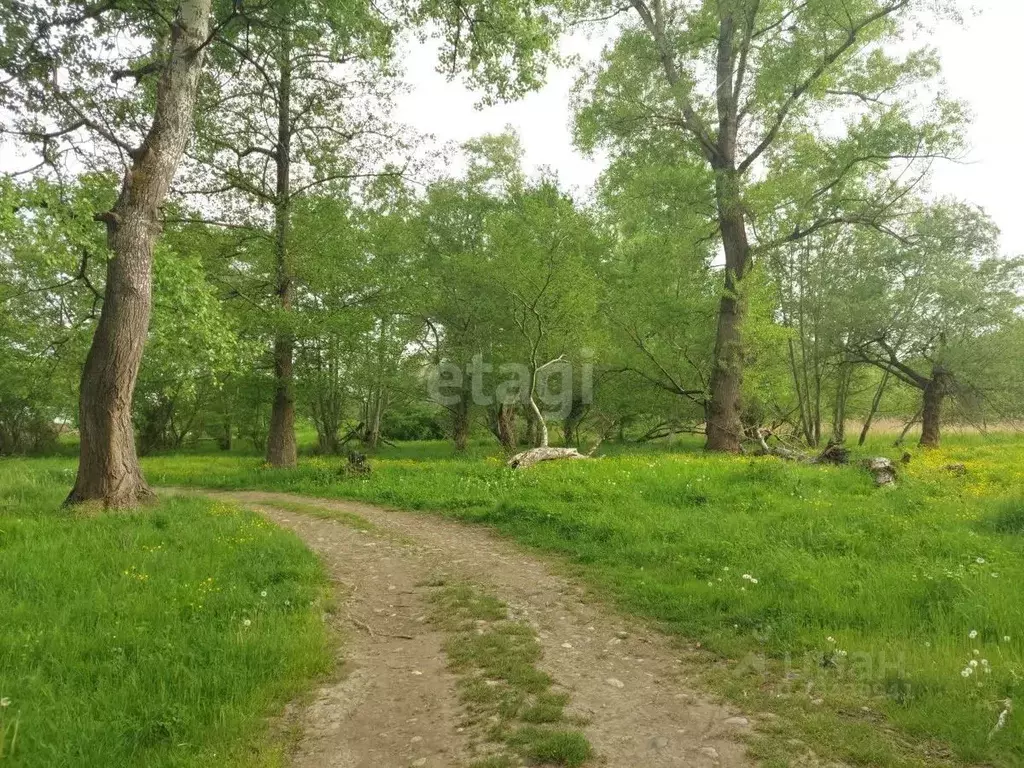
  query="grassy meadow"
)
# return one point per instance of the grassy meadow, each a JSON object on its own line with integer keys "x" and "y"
{"x": 884, "y": 626}
{"x": 159, "y": 638}
{"x": 848, "y": 609}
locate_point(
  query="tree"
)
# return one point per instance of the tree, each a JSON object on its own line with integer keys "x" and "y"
{"x": 931, "y": 301}
{"x": 740, "y": 82}
{"x": 55, "y": 61}
{"x": 324, "y": 68}
{"x": 279, "y": 124}
{"x": 544, "y": 252}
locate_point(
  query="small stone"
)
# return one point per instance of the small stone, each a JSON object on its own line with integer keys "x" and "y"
{"x": 622, "y": 635}
{"x": 709, "y": 752}
{"x": 567, "y": 645}
{"x": 416, "y": 739}
{"x": 659, "y": 743}
{"x": 416, "y": 672}
{"x": 817, "y": 702}
{"x": 615, "y": 682}
{"x": 420, "y": 762}
{"x": 737, "y": 722}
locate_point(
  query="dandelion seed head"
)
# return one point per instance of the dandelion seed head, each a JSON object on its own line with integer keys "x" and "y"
{"x": 5, "y": 703}
{"x": 973, "y": 663}
{"x": 247, "y": 623}
{"x": 972, "y": 634}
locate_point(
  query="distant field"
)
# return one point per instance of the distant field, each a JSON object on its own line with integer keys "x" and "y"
{"x": 156, "y": 639}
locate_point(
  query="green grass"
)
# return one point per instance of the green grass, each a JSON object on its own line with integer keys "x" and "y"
{"x": 504, "y": 691}
{"x": 159, "y": 638}
{"x": 899, "y": 577}
{"x": 892, "y": 575}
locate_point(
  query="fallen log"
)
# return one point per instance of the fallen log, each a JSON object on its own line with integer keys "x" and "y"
{"x": 883, "y": 470}
{"x": 533, "y": 456}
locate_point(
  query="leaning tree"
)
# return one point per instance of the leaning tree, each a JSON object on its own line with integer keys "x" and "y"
{"x": 742, "y": 83}
{"x": 931, "y": 304}
{"x": 109, "y": 86}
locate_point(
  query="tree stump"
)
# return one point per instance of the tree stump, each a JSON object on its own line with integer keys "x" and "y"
{"x": 357, "y": 465}
{"x": 883, "y": 470}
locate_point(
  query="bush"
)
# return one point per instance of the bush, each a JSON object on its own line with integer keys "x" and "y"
{"x": 415, "y": 423}
{"x": 25, "y": 430}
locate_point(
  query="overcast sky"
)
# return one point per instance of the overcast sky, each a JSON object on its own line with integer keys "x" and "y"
{"x": 982, "y": 64}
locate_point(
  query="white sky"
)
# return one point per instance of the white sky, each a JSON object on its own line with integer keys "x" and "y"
{"x": 982, "y": 64}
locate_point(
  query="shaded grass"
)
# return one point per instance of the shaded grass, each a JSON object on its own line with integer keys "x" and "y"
{"x": 157, "y": 638}
{"x": 495, "y": 658}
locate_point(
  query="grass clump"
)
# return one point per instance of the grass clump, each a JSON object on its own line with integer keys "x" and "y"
{"x": 506, "y": 695}
{"x": 162, "y": 638}
{"x": 1009, "y": 517}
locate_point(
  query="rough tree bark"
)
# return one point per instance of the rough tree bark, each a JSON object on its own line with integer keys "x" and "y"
{"x": 571, "y": 424}
{"x": 724, "y": 427}
{"x": 108, "y": 468}
{"x": 502, "y": 418}
{"x": 281, "y": 448}
{"x": 934, "y": 394}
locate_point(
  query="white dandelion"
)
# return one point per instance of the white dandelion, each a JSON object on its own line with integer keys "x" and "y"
{"x": 972, "y": 634}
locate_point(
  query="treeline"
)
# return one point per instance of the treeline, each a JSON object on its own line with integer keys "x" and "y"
{"x": 761, "y": 252}
{"x": 409, "y": 308}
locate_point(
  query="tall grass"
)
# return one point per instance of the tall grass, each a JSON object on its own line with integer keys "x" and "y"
{"x": 159, "y": 638}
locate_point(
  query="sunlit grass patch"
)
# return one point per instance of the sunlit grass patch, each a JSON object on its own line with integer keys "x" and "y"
{"x": 162, "y": 637}
{"x": 506, "y": 695}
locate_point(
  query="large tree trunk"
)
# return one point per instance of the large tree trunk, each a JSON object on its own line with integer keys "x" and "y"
{"x": 931, "y": 413}
{"x": 502, "y": 418}
{"x": 724, "y": 427}
{"x": 108, "y": 468}
{"x": 281, "y": 448}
